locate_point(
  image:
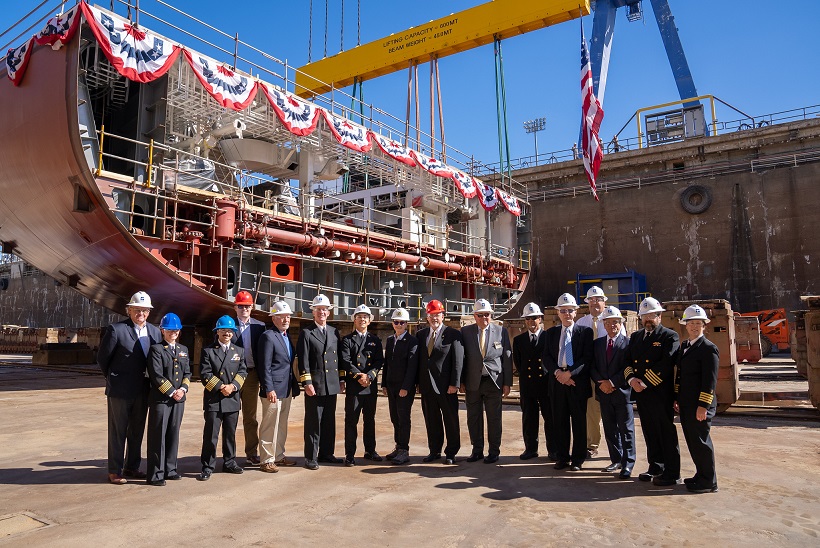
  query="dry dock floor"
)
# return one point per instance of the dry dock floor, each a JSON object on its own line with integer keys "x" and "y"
{"x": 54, "y": 489}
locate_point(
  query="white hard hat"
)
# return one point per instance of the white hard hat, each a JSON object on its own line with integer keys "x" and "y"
{"x": 595, "y": 291}
{"x": 400, "y": 314}
{"x": 650, "y": 305}
{"x": 566, "y": 300}
{"x": 320, "y": 300}
{"x": 141, "y": 299}
{"x": 694, "y": 312}
{"x": 280, "y": 307}
{"x": 482, "y": 305}
{"x": 611, "y": 312}
{"x": 531, "y": 310}
{"x": 361, "y": 309}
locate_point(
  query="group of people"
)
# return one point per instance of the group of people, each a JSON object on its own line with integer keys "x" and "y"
{"x": 560, "y": 370}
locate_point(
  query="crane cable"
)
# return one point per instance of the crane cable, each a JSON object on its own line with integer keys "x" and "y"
{"x": 310, "y": 31}
{"x": 326, "y": 18}
{"x": 501, "y": 113}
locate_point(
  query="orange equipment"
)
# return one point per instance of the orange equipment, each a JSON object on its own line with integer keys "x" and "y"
{"x": 774, "y": 329}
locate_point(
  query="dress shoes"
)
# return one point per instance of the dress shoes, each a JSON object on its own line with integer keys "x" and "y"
{"x": 626, "y": 473}
{"x": 612, "y": 467}
{"x": 136, "y": 474}
{"x": 661, "y": 481}
{"x": 372, "y": 455}
{"x": 286, "y": 462}
{"x": 431, "y": 457}
{"x": 117, "y": 479}
{"x": 552, "y": 457}
{"x": 311, "y": 465}
{"x": 592, "y": 453}
{"x": 392, "y": 454}
{"x": 232, "y": 469}
{"x": 527, "y": 455}
{"x": 575, "y": 468}
{"x": 174, "y": 477}
{"x": 156, "y": 483}
{"x": 402, "y": 457}
{"x": 269, "y": 467}
{"x": 253, "y": 460}
{"x": 490, "y": 459}
{"x": 350, "y": 461}
{"x": 690, "y": 481}
{"x": 331, "y": 459}
{"x": 450, "y": 460}
{"x": 695, "y": 488}
{"x": 204, "y": 476}
{"x": 561, "y": 464}
{"x": 474, "y": 457}
{"x": 648, "y": 475}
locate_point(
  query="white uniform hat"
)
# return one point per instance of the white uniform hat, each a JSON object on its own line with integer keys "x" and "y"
{"x": 361, "y": 309}
{"x": 566, "y": 301}
{"x": 320, "y": 300}
{"x": 611, "y": 312}
{"x": 280, "y": 307}
{"x": 595, "y": 291}
{"x": 400, "y": 314}
{"x": 694, "y": 312}
{"x": 141, "y": 299}
{"x": 650, "y": 305}
{"x": 532, "y": 310}
{"x": 482, "y": 305}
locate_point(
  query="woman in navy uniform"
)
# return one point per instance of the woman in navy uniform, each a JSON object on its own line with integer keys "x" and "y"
{"x": 698, "y": 360}
{"x": 399, "y": 379}
{"x": 169, "y": 371}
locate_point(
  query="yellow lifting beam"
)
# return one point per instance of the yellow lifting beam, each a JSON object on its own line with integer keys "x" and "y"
{"x": 454, "y": 33}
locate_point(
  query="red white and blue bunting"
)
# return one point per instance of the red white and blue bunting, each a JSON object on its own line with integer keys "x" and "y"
{"x": 487, "y": 196}
{"x": 230, "y": 89}
{"x": 349, "y": 135}
{"x": 138, "y": 55}
{"x": 394, "y": 149}
{"x": 509, "y": 202}
{"x": 60, "y": 28}
{"x": 465, "y": 184}
{"x": 299, "y": 116}
{"x": 17, "y": 61}
{"x": 433, "y": 166}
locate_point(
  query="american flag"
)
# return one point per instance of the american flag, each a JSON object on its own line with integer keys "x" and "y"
{"x": 591, "y": 150}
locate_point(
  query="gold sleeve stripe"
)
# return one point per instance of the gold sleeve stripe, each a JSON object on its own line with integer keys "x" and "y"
{"x": 239, "y": 379}
{"x": 186, "y": 382}
{"x": 165, "y": 386}
{"x": 706, "y": 397}
{"x": 677, "y": 388}
{"x": 653, "y": 377}
{"x": 628, "y": 372}
{"x": 212, "y": 383}
{"x": 304, "y": 378}
{"x": 341, "y": 374}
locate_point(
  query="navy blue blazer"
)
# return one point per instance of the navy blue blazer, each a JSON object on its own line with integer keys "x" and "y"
{"x": 612, "y": 370}
{"x": 257, "y": 328}
{"x": 401, "y": 363}
{"x": 581, "y": 343}
{"x": 122, "y": 360}
{"x": 275, "y": 366}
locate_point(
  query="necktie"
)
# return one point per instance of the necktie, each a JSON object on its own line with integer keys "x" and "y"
{"x": 595, "y": 327}
{"x": 567, "y": 348}
{"x": 481, "y": 343}
{"x": 430, "y": 342}
{"x": 609, "y": 350}
{"x": 533, "y": 340}
{"x": 685, "y": 346}
{"x": 287, "y": 344}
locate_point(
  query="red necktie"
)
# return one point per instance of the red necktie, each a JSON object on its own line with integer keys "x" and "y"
{"x": 609, "y": 350}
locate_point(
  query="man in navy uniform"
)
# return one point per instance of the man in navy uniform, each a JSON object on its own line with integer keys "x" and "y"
{"x": 247, "y": 337}
{"x": 122, "y": 357}
{"x": 278, "y": 388}
{"x": 568, "y": 357}
{"x": 533, "y": 383}
{"x": 361, "y": 357}
{"x": 169, "y": 369}
{"x": 223, "y": 373}
{"x": 322, "y": 380}
{"x": 399, "y": 380}
{"x": 649, "y": 371}
{"x": 614, "y": 394}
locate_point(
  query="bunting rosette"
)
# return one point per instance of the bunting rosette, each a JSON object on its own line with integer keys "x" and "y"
{"x": 486, "y": 195}
{"x": 138, "y": 55}
{"x": 17, "y": 61}
{"x": 300, "y": 117}
{"x": 431, "y": 165}
{"x": 394, "y": 149}
{"x": 60, "y": 28}
{"x": 230, "y": 89}
{"x": 465, "y": 184}
{"x": 509, "y": 202}
{"x": 349, "y": 135}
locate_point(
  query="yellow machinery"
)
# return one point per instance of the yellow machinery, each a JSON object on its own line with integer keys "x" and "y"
{"x": 441, "y": 37}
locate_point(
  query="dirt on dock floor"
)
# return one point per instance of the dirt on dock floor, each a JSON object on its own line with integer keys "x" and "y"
{"x": 55, "y": 493}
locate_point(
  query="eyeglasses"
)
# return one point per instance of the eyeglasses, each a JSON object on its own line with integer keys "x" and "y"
{"x": 244, "y": 306}
{"x": 595, "y": 300}
{"x": 483, "y": 315}
{"x": 566, "y": 311}
{"x": 397, "y": 322}
{"x": 140, "y": 310}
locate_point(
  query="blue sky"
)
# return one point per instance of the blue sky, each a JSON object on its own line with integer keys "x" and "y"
{"x": 755, "y": 55}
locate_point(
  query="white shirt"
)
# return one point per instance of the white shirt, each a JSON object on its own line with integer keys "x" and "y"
{"x": 142, "y": 336}
{"x": 587, "y": 321}
{"x": 247, "y": 344}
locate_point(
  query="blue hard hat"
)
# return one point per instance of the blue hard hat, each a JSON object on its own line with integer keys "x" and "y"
{"x": 225, "y": 322}
{"x": 170, "y": 321}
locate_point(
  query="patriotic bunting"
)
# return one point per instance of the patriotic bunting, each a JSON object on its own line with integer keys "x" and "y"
{"x": 486, "y": 195}
{"x": 300, "y": 117}
{"x": 436, "y": 167}
{"x": 60, "y": 28}
{"x": 349, "y": 135}
{"x": 17, "y": 61}
{"x": 138, "y": 55}
{"x": 509, "y": 202}
{"x": 230, "y": 89}
{"x": 394, "y": 150}
{"x": 465, "y": 184}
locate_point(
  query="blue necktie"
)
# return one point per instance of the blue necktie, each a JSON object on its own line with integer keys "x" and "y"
{"x": 568, "y": 348}
{"x": 287, "y": 344}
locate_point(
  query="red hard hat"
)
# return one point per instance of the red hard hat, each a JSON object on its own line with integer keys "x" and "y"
{"x": 243, "y": 297}
{"x": 434, "y": 307}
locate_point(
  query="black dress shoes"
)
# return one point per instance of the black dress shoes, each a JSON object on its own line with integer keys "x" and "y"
{"x": 331, "y": 459}
{"x": 527, "y": 455}
{"x": 575, "y": 468}
{"x": 690, "y": 481}
{"x": 612, "y": 467}
{"x": 475, "y": 457}
{"x": 450, "y": 460}
{"x": 695, "y": 488}
{"x": 136, "y": 474}
{"x": 647, "y": 476}
{"x": 311, "y": 464}
{"x": 204, "y": 476}
{"x": 552, "y": 457}
{"x": 626, "y": 473}
{"x": 174, "y": 477}
{"x": 661, "y": 481}
{"x": 350, "y": 461}
{"x": 232, "y": 469}
{"x": 560, "y": 465}
{"x": 156, "y": 483}
{"x": 490, "y": 459}
{"x": 431, "y": 457}
{"x": 372, "y": 455}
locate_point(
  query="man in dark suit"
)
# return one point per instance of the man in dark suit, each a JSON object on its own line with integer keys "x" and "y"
{"x": 649, "y": 369}
{"x": 122, "y": 357}
{"x": 698, "y": 361}
{"x": 247, "y": 337}
{"x": 614, "y": 394}
{"x": 533, "y": 384}
{"x": 322, "y": 380}
{"x": 568, "y": 358}
{"x": 223, "y": 373}
{"x": 486, "y": 378}
{"x": 278, "y": 387}
{"x": 169, "y": 369}
{"x": 361, "y": 357}
{"x": 399, "y": 380}
{"x": 441, "y": 358}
